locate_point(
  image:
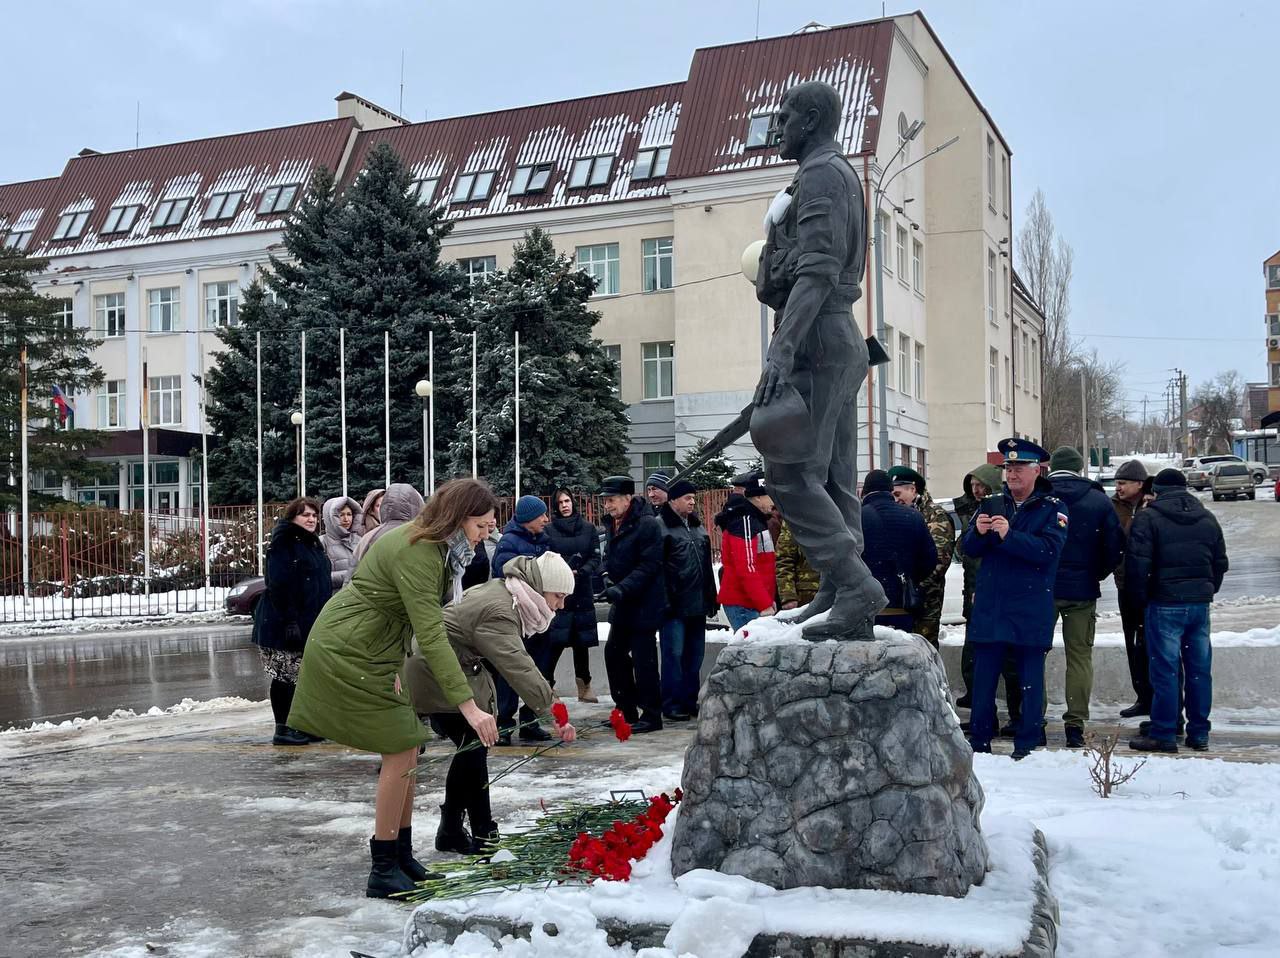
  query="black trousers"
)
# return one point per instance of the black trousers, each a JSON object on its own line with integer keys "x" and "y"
{"x": 1012, "y": 687}
{"x": 990, "y": 659}
{"x": 539, "y": 649}
{"x": 466, "y": 786}
{"x": 1132, "y": 618}
{"x": 631, "y": 661}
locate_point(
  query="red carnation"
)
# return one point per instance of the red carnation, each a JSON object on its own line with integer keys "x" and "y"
{"x": 621, "y": 728}
{"x": 679, "y": 796}
{"x": 560, "y": 713}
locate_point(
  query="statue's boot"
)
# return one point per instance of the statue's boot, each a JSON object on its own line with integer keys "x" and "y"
{"x": 852, "y": 618}
{"x": 821, "y": 602}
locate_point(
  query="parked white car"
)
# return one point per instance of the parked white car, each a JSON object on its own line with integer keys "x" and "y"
{"x": 1199, "y": 470}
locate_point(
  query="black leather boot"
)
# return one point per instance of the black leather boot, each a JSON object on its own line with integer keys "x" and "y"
{"x": 386, "y": 877}
{"x": 452, "y": 835}
{"x": 290, "y": 736}
{"x": 484, "y": 838}
{"x": 404, "y": 857}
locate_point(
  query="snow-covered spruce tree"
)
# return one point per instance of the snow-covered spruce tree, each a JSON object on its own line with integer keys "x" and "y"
{"x": 716, "y": 473}
{"x": 573, "y": 428}
{"x": 57, "y": 355}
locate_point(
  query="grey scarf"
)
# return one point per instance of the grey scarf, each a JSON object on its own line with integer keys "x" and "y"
{"x": 459, "y": 557}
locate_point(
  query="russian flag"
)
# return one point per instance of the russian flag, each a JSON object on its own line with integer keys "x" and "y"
{"x": 64, "y": 406}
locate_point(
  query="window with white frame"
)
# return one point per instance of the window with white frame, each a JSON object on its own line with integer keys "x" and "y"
{"x": 423, "y": 190}
{"x": 71, "y": 225}
{"x": 111, "y": 404}
{"x": 1035, "y": 367}
{"x": 651, "y": 163}
{"x": 659, "y": 462}
{"x": 917, "y": 266}
{"x": 904, "y": 364}
{"x": 64, "y": 313}
{"x": 278, "y": 199}
{"x": 478, "y": 268}
{"x": 614, "y": 352}
{"x": 108, "y": 314}
{"x": 888, "y": 348}
{"x": 1008, "y": 383}
{"x": 991, "y": 288}
{"x": 164, "y": 310}
{"x": 759, "y": 131}
{"x": 1004, "y": 284}
{"x": 918, "y": 369}
{"x": 658, "y": 264}
{"x": 1025, "y": 374}
{"x": 659, "y": 370}
{"x": 590, "y": 171}
{"x": 472, "y": 187}
{"x": 531, "y": 179}
{"x": 993, "y": 382}
{"x": 1273, "y": 276}
{"x": 170, "y": 212}
{"x": 602, "y": 262}
{"x": 17, "y": 239}
{"x": 120, "y": 219}
{"x": 991, "y": 173}
{"x": 221, "y": 304}
{"x": 1004, "y": 184}
{"x": 165, "y": 394}
{"x": 884, "y": 242}
{"x": 901, "y": 251}
{"x": 223, "y": 206}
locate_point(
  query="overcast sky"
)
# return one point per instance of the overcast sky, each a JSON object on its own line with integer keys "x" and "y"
{"x": 1146, "y": 124}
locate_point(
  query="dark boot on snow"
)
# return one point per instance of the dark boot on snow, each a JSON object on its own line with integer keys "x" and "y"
{"x": 452, "y": 835}
{"x": 404, "y": 857}
{"x": 386, "y": 877}
{"x": 290, "y": 736}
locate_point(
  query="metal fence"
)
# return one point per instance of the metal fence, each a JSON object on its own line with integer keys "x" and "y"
{"x": 88, "y": 563}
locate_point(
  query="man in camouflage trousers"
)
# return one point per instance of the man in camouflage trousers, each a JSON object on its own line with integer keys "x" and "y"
{"x": 797, "y": 580}
{"x": 909, "y": 489}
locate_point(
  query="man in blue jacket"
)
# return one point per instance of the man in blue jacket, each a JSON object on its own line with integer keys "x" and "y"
{"x": 523, "y": 535}
{"x": 1018, "y": 534}
{"x": 1094, "y": 547}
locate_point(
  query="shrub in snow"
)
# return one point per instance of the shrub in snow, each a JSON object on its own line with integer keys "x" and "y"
{"x": 1107, "y": 774}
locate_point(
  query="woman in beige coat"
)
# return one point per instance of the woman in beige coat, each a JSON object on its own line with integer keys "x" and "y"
{"x": 489, "y": 624}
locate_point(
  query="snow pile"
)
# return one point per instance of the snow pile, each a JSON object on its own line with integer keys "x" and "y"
{"x": 24, "y": 616}
{"x": 782, "y": 628}
{"x": 220, "y": 704}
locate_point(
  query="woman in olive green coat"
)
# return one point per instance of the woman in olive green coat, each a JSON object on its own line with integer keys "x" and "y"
{"x": 490, "y": 624}
{"x": 349, "y": 689}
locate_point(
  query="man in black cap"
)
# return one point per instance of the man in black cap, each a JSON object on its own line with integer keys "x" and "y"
{"x": 743, "y": 479}
{"x": 898, "y": 549}
{"x": 691, "y": 598}
{"x": 910, "y": 490}
{"x": 1018, "y": 534}
{"x": 1132, "y": 483}
{"x": 638, "y": 600}
{"x": 1176, "y": 562}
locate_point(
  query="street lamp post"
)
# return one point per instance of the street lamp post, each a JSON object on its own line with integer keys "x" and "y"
{"x": 424, "y": 389}
{"x": 296, "y": 419}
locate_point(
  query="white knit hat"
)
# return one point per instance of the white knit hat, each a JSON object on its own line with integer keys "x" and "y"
{"x": 555, "y": 572}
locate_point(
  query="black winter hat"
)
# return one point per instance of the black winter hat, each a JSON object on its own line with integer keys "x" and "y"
{"x": 748, "y": 477}
{"x": 618, "y": 486}
{"x": 1169, "y": 480}
{"x": 877, "y": 480}
{"x": 681, "y": 487}
{"x": 1133, "y": 470}
{"x": 755, "y": 489}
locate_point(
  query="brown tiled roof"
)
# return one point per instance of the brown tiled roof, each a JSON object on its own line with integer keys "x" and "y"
{"x": 730, "y": 84}
{"x": 558, "y": 133}
{"x": 23, "y": 204}
{"x": 194, "y": 169}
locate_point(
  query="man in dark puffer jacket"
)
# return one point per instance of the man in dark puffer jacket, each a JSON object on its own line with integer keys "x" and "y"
{"x": 1176, "y": 561}
{"x": 896, "y": 543}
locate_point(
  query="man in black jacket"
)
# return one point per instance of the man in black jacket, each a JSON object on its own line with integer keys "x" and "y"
{"x": 1176, "y": 561}
{"x": 897, "y": 546}
{"x": 637, "y": 594}
{"x": 691, "y": 598}
{"x": 1094, "y": 547}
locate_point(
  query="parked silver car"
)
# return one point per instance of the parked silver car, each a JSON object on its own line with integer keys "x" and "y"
{"x": 1230, "y": 480}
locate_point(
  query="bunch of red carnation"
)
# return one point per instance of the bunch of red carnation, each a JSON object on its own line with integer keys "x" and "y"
{"x": 610, "y": 856}
{"x": 621, "y": 728}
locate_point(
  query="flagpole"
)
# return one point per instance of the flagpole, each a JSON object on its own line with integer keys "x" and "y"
{"x": 26, "y": 503}
{"x": 431, "y": 411}
{"x": 342, "y": 401}
{"x": 204, "y": 464}
{"x": 258, "y": 375}
{"x": 517, "y": 416}
{"x": 386, "y": 401}
{"x": 145, "y": 415}
{"x": 474, "y": 471}
{"x": 302, "y": 428}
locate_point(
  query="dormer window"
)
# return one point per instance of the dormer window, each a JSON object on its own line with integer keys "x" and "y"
{"x": 531, "y": 179}
{"x": 223, "y": 206}
{"x": 760, "y": 131}
{"x": 424, "y": 190}
{"x": 17, "y": 239}
{"x": 473, "y": 186}
{"x": 651, "y": 163}
{"x": 590, "y": 171}
{"x": 120, "y": 219}
{"x": 277, "y": 199}
{"x": 71, "y": 225}
{"x": 170, "y": 213}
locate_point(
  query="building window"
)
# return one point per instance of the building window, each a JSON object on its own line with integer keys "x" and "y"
{"x": 221, "y": 304}
{"x": 1004, "y": 284}
{"x": 614, "y": 352}
{"x": 120, "y": 219}
{"x": 1035, "y": 367}
{"x": 1273, "y": 324}
{"x": 901, "y": 251}
{"x": 760, "y": 131}
{"x": 164, "y": 310}
{"x": 991, "y": 288}
{"x": 920, "y": 462}
{"x": 277, "y": 199}
{"x": 917, "y": 266}
{"x": 651, "y": 163}
{"x": 531, "y": 179}
{"x": 888, "y": 348}
{"x": 170, "y": 213}
{"x": 590, "y": 171}
{"x": 17, "y": 239}
{"x": 479, "y": 268}
{"x": 111, "y": 404}
{"x": 166, "y": 400}
{"x": 884, "y": 242}
{"x": 1026, "y": 361}
{"x": 64, "y": 313}
{"x": 223, "y": 206}
{"x": 918, "y": 369}
{"x": 659, "y": 370}
{"x": 657, "y": 259}
{"x": 602, "y": 263}
{"x": 1008, "y": 384}
{"x": 904, "y": 455}
{"x": 1273, "y": 276}
{"x": 109, "y": 314}
{"x": 659, "y": 462}
{"x": 1275, "y": 374}
{"x": 1004, "y": 184}
{"x": 472, "y": 187}
{"x": 904, "y": 364}
{"x": 991, "y": 173}
{"x": 423, "y": 190}
{"x": 993, "y": 382}
{"x": 71, "y": 225}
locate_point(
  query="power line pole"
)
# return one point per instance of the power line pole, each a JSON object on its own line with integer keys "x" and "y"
{"x": 1182, "y": 405}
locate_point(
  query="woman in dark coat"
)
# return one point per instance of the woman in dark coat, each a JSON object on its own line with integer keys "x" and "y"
{"x": 299, "y": 583}
{"x": 577, "y": 541}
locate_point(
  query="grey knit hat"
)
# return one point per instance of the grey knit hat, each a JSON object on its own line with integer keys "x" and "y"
{"x": 1133, "y": 470}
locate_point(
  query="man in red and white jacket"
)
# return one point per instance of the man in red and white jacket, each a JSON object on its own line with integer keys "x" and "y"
{"x": 747, "y": 556}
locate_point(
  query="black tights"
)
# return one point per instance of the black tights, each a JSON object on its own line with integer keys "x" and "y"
{"x": 281, "y": 700}
{"x": 466, "y": 787}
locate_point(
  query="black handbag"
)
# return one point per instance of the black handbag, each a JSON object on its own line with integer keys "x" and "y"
{"x": 912, "y": 599}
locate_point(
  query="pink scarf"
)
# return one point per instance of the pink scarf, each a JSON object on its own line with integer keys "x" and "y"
{"x": 535, "y": 614}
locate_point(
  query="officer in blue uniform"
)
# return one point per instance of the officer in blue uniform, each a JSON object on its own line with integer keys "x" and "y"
{"x": 1018, "y": 533}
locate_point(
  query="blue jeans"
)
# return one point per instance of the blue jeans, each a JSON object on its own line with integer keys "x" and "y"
{"x": 739, "y": 615}
{"x": 683, "y": 642}
{"x": 1178, "y": 639}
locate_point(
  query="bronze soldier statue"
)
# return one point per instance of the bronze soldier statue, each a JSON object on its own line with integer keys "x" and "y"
{"x": 805, "y": 420}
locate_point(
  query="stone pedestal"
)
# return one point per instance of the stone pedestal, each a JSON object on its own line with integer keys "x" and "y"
{"x": 834, "y": 764}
